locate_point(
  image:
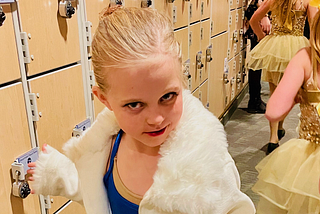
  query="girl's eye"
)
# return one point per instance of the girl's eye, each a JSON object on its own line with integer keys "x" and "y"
{"x": 134, "y": 106}
{"x": 169, "y": 96}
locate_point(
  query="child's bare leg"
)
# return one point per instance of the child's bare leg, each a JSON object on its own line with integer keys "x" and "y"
{"x": 273, "y": 125}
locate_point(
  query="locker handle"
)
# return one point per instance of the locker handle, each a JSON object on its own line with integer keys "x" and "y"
{"x": 146, "y": 3}
{"x": 225, "y": 78}
{"x": 2, "y": 16}
{"x": 66, "y": 9}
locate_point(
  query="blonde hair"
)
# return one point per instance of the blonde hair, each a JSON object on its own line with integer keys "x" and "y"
{"x": 129, "y": 35}
{"x": 315, "y": 45}
{"x": 282, "y": 8}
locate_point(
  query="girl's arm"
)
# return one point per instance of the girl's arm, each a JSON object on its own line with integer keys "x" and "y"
{"x": 283, "y": 98}
{"x": 258, "y": 16}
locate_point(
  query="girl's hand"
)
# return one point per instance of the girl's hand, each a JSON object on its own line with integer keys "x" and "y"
{"x": 32, "y": 166}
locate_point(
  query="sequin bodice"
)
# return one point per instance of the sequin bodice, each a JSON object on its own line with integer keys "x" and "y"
{"x": 309, "y": 120}
{"x": 293, "y": 27}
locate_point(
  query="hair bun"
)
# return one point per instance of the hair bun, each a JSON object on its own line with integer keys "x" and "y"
{"x": 108, "y": 11}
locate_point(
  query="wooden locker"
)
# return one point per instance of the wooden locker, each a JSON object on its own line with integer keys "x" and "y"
{"x": 205, "y": 9}
{"x": 203, "y": 93}
{"x": 220, "y": 13}
{"x": 61, "y": 106}
{"x": 238, "y": 74}
{"x": 194, "y": 49}
{"x": 243, "y": 68}
{"x": 217, "y": 88}
{"x": 73, "y": 207}
{"x": 93, "y": 8}
{"x": 233, "y": 4}
{"x": 233, "y": 35}
{"x": 9, "y": 64}
{"x": 182, "y": 37}
{"x": 165, "y": 8}
{"x": 14, "y": 141}
{"x": 240, "y": 22}
{"x": 205, "y": 44}
{"x": 53, "y": 40}
{"x": 196, "y": 93}
{"x": 180, "y": 13}
{"x": 133, "y": 3}
{"x": 231, "y": 90}
{"x": 195, "y": 10}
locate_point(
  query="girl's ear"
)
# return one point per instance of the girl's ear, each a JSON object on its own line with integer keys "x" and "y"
{"x": 101, "y": 96}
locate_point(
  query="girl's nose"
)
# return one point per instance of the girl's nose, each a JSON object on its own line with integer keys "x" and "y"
{"x": 155, "y": 118}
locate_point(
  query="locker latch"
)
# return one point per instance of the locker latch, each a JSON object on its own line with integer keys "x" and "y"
{"x": 235, "y": 36}
{"x": 115, "y": 2}
{"x": 2, "y": 16}
{"x": 20, "y": 187}
{"x": 146, "y": 3}
{"x": 198, "y": 60}
{"x": 208, "y": 54}
{"x": 239, "y": 78}
{"x": 66, "y": 9}
{"x": 186, "y": 69}
{"x": 225, "y": 78}
{"x": 81, "y": 127}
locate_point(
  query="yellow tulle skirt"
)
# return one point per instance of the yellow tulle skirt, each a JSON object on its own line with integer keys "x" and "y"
{"x": 273, "y": 54}
{"x": 288, "y": 180}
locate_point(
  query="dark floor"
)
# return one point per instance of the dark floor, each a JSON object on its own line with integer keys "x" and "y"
{"x": 248, "y": 135}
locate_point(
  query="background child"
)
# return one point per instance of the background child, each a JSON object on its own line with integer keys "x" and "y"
{"x": 289, "y": 176}
{"x": 275, "y": 50}
{"x": 155, "y": 148}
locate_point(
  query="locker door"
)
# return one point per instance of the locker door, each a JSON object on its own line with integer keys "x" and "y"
{"x": 233, "y": 35}
{"x": 193, "y": 51}
{"x": 180, "y": 13}
{"x": 203, "y": 94}
{"x": 217, "y": 87}
{"x": 9, "y": 64}
{"x": 14, "y": 141}
{"x": 196, "y": 93}
{"x": 93, "y": 8}
{"x": 53, "y": 40}
{"x": 133, "y": 3}
{"x": 61, "y": 106}
{"x": 233, "y": 4}
{"x": 195, "y": 10}
{"x": 220, "y": 12}
{"x": 205, "y": 9}
{"x": 205, "y": 43}
{"x": 182, "y": 37}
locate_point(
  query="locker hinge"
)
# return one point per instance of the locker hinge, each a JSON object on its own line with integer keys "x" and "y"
{"x": 25, "y": 47}
{"x": 174, "y": 14}
{"x": 34, "y": 108}
{"x": 88, "y": 33}
{"x": 91, "y": 79}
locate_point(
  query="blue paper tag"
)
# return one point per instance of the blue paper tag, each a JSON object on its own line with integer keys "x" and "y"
{"x": 28, "y": 157}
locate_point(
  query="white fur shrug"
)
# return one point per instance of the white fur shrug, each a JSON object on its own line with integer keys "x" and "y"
{"x": 195, "y": 174}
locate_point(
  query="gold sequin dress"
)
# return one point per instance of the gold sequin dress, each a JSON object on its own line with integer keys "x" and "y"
{"x": 288, "y": 180}
{"x": 275, "y": 50}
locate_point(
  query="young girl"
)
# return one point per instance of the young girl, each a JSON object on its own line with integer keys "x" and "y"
{"x": 155, "y": 148}
{"x": 275, "y": 50}
{"x": 289, "y": 176}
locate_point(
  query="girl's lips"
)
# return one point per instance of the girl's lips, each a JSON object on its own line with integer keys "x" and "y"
{"x": 156, "y": 133}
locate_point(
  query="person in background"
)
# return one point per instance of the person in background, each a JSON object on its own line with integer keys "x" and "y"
{"x": 154, "y": 148}
{"x": 288, "y": 180}
{"x": 275, "y": 50}
{"x": 255, "y": 103}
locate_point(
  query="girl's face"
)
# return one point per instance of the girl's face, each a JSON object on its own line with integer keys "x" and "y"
{"x": 146, "y": 99}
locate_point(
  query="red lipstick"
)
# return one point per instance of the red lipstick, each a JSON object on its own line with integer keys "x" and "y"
{"x": 156, "y": 133}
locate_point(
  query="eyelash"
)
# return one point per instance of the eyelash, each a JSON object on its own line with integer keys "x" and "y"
{"x": 172, "y": 94}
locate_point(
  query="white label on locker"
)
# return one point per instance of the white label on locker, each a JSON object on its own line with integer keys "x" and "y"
{"x": 190, "y": 8}
{"x": 230, "y": 20}
{"x": 243, "y": 14}
{"x": 190, "y": 38}
{"x": 241, "y": 31}
{"x": 190, "y": 83}
{"x": 231, "y": 2}
{"x": 234, "y": 65}
{"x": 201, "y": 33}
{"x": 244, "y": 1}
{"x": 232, "y": 93}
{"x": 174, "y": 14}
{"x": 237, "y": 18}
{"x": 238, "y": 2}
{"x": 225, "y": 65}
{"x": 228, "y": 53}
{"x": 240, "y": 59}
{"x": 28, "y": 157}
{"x": 235, "y": 47}
{"x": 241, "y": 44}
{"x": 6, "y": 1}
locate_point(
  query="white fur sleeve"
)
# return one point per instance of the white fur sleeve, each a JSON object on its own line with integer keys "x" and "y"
{"x": 56, "y": 175}
{"x": 240, "y": 202}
